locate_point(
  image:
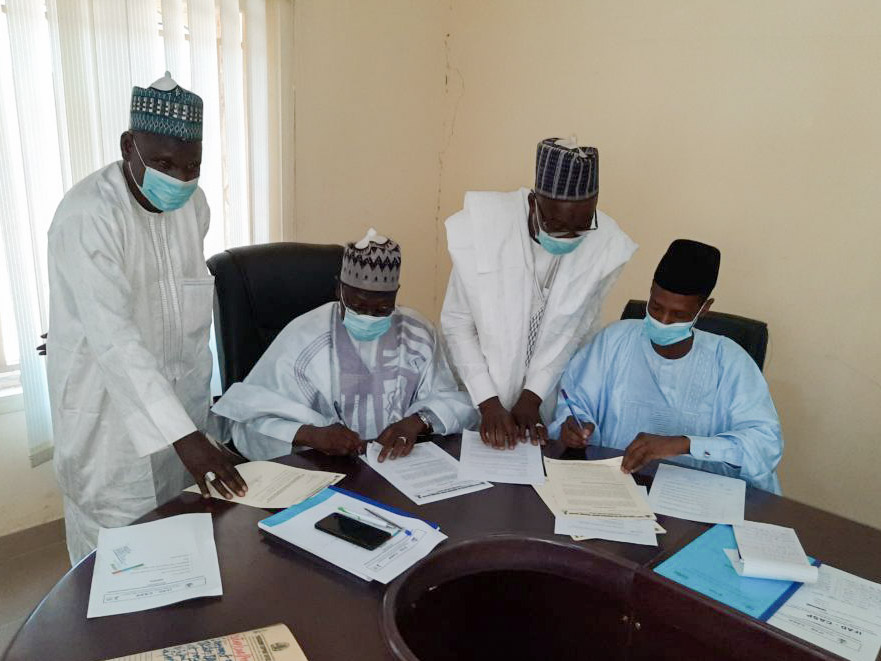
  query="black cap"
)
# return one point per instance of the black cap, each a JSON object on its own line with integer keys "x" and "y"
{"x": 689, "y": 268}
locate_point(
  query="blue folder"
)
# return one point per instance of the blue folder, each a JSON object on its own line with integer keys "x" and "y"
{"x": 324, "y": 494}
{"x": 703, "y": 567}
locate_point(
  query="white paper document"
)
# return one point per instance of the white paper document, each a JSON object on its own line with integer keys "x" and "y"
{"x": 769, "y": 551}
{"x": 275, "y": 486}
{"x": 840, "y": 613}
{"x": 694, "y": 495}
{"x": 426, "y": 475}
{"x": 413, "y": 541}
{"x": 176, "y": 560}
{"x": 595, "y": 488}
{"x": 631, "y": 531}
{"x": 613, "y": 529}
{"x": 518, "y": 465}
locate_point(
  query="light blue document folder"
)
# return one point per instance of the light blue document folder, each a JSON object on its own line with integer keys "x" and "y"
{"x": 703, "y": 567}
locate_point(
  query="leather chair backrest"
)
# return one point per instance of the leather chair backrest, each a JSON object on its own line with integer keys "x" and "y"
{"x": 750, "y": 334}
{"x": 259, "y": 290}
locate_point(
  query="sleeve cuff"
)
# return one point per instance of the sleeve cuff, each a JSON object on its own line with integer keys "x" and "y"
{"x": 541, "y": 383}
{"x": 172, "y": 422}
{"x": 481, "y": 388}
{"x": 715, "y": 448}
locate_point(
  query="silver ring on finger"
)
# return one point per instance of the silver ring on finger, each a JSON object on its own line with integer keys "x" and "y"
{"x": 402, "y": 438}
{"x": 210, "y": 476}
{"x": 538, "y": 424}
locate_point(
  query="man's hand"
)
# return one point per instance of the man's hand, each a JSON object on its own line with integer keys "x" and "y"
{"x": 335, "y": 439}
{"x": 528, "y": 419}
{"x": 648, "y": 447}
{"x": 201, "y": 456}
{"x": 497, "y": 426}
{"x": 398, "y": 438}
{"x": 575, "y": 435}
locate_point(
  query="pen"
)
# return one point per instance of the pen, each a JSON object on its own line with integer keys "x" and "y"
{"x": 119, "y": 571}
{"x": 388, "y": 521}
{"x": 571, "y": 408}
{"x": 352, "y": 515}
{"x": 339, "y": 412}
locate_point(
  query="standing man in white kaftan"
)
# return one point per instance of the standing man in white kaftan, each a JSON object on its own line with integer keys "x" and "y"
{"x": 130, "y": 302}
{"x": 530, "y": 272}
{"x": 661, "y": 389}
{"x": 349, "y": 371}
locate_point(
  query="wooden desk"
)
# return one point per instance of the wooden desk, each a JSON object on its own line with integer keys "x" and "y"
{"x": 335, "y": 615}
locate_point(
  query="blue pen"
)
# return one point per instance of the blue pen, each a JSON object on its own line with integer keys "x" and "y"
{"x": 388, "y": 521}
{"x": 571, "y": 409}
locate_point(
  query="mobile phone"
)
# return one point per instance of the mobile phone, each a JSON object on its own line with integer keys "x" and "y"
{"x": 353, "y": 531}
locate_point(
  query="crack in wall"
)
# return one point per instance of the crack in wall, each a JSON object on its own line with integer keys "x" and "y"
{"x": 449, "y": 129}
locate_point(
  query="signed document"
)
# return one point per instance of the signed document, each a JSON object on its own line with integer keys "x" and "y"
{"x": 275, "y": 486}
{"x": 275, "y": 643}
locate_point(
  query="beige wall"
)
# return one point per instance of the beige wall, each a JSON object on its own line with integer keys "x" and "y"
{"x": 752, "y": 125}
{"x": 369, "y": 103}
{"x": 28, "y": 497}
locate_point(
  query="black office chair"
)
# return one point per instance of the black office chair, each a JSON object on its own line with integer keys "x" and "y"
{"x": 751, "y": 334}
{"x": 258, "y": 290}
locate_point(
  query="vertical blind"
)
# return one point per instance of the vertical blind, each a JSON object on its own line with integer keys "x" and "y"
{"x": 66, "y": 72}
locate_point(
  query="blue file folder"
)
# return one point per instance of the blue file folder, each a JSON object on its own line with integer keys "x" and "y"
{"x": 703, "y": 567}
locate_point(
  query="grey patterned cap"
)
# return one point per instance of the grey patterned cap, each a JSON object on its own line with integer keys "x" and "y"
{"x": 373, "y": 263}
{"x": 565, "y": 171}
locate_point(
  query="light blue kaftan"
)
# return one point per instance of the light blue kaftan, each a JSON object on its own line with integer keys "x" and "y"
{"x": 715, "y": 395}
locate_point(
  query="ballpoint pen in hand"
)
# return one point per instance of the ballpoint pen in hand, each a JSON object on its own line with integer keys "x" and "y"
{"x": 571, "y": 408}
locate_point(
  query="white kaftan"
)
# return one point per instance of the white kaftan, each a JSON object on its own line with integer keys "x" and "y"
{"x": 490, "y": 298}
{"x": 715, "y": 395}
{"x": 128, "y": 362}
{"x": 314, "y": 373}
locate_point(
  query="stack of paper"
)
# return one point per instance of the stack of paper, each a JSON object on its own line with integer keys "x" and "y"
{"x": 154, "y": 564}
{"x": 426, "y": 475}
{"x": 518, "y": 465}
{"x": 413, "y": 541}
{"x": 840, "y": 613}
{"x": 275, "y": 486}
{"x": 595, "y": 500}
{"x": 768, "y": 551}
{"x": 694, "y": 495}
{"x": 275, "y": 643}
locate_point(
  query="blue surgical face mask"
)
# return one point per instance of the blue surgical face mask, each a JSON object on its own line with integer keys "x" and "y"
{"x": 162, "y": 190}
{"x": 365, "y": 327}
{"x": 665, "y": 335}
{"x": 555, "y": 245}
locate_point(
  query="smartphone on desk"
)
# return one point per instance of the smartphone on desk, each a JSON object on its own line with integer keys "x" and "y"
{"x": 353, "y": 531}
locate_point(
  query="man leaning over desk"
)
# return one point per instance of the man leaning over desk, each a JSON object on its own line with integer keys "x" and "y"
{"x": 659, "y": 388}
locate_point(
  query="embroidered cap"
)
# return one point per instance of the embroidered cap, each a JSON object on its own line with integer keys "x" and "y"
{"x": 373, "y": 263}
{"x": 166, "y": 108}
{"x": 565, "y": 171}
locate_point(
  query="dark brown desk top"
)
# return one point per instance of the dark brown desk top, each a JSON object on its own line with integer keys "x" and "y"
{"x": 335, "y": 615}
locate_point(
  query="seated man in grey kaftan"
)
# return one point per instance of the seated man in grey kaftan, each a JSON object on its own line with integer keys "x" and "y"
{"x": 350, "y": 371}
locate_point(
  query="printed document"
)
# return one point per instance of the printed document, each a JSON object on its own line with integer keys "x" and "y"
{"x": 518, "y": 465}
{"x": 595, "y": 488}
{"x": 275, "y": 486}
{"x": 275, "y": 643}
{"x": 769, "y": 551}
{"x": 631, "y": 531}
{"x": 840, "y": 613}
{"x": 176, "y": 560}
{"x": 694, "y": 495}
{"x": 426, "y": 475}
{"x": 413, "y": 540}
